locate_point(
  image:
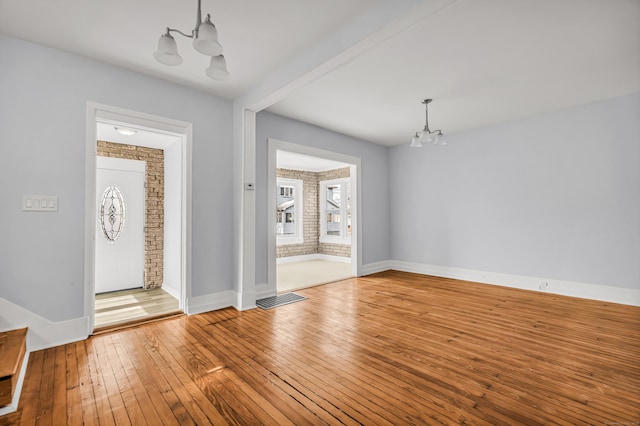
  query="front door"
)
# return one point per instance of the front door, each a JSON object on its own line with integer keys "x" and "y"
{"x": 120, "y": 239}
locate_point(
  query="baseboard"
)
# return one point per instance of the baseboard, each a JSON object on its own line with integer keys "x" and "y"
{"x": 313, "y": 256}
{"x": 42, "y": 333}
{"x": 626, "y": 296}
{"x": 171, "y": 291}
{"x": 16, "y": 394}
{"x": 265, "y": 290}
{"x": 246, "y": 301}
{"x": 210, "y": 302}
{"x": 372, "y": 268}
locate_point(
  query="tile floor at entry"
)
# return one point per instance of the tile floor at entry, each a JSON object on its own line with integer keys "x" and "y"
{"x": 130, "y": 305}
{"x": 297, "y": 275}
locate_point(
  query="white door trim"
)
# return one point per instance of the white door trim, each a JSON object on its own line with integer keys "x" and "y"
{"x": 184, "y": 130}
{"x": 355, "y": 166}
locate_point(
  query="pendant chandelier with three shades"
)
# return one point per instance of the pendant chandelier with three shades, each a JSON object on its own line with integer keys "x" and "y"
{"x": 205, "y": 41}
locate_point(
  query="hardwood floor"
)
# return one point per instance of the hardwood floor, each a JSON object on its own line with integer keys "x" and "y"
{"x": 392, "y": 348}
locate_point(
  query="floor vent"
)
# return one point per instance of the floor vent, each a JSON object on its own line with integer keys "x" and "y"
{"x": 282, "y": 299}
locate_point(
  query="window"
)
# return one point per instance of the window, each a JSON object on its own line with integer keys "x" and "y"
{"x": 335, "y": 208}
{"x": 289, "y": 211}
{"x": 112, "y": 213}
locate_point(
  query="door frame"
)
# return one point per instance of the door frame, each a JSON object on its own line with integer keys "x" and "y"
{"x": 105, "y": 113}
{"x": 275, "y": 145}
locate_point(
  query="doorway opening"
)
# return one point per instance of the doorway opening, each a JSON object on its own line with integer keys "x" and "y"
{"x": 313, "y": 200}
{"x": 141, "y": 200}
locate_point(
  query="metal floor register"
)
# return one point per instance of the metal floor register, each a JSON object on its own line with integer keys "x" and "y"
{"x": 282, "y": 299}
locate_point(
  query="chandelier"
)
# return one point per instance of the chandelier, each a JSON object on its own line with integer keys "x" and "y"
{"x": 205, "y": 41}
{"x": 424, "y": 136}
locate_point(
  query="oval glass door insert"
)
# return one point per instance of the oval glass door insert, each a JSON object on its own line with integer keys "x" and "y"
{"x": 112, "y": 213}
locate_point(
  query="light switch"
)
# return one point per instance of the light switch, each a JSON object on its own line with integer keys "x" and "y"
{"x": 39, "y": 203}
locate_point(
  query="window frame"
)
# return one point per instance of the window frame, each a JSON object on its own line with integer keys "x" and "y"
{"x": 343, "y": 238}
{"x": 298, "y": 216}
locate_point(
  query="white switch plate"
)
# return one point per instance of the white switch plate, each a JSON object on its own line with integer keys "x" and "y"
{"x": 39, "y": 203}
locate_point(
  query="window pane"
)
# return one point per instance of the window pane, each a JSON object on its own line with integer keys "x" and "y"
{"x": 333, "y": 222}
{"x": 333, "y": 196}
{"x": 286, "y": 210}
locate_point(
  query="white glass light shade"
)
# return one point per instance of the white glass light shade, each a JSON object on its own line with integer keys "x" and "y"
{"x": 207, "y": 40}
{"x": 415, "y": 143}
{"x": 125, "y": 131}
{"x": 167, "y": 52}
{"x": 424, "y": 136}
{"x": 440, "y": 139}
{"x": 218, "y": 68}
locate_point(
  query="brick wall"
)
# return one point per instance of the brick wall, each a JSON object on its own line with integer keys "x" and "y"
{"x": 309, "y": 210}
{"x": 334, "y": 174}
{"x": 154, "y": 237}
{"x": 311, "y": 226}
{"x": 341, "y": 250}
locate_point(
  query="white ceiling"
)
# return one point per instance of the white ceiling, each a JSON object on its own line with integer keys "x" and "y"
{"x": 143, "y": 137}
{"x": 257, "y": 35}
{"x": 482, "y": 61}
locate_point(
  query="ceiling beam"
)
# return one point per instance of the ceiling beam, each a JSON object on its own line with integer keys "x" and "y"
{"x": 366, "y": 31}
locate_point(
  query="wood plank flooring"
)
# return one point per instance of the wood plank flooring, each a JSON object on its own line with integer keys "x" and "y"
{"x": 120, "y": 307}
{"x": 389, "y": 349}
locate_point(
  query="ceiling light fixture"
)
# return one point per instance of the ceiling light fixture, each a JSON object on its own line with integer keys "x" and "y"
{"x": 205, "y": 41}
{"x": 425, "y": 134}
{"x": 126, "y": 132}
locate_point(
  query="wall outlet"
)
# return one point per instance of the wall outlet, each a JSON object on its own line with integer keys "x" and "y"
{"x": 544, "y": 285}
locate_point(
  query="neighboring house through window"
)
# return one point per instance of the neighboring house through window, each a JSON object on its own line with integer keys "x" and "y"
{"x": 335, "y": 211}
{"x": 289, "y": 211}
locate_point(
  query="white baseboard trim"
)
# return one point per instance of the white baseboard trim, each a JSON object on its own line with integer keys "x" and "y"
{"x": 314, "y": 256}
{"x": 265, "y": 290}
{"x": 175, "y": 293}
{"x": 246, "y": 301}
{"x": 626, "y": 296}
{"x": 42, "y": 333}
{"x": 372, "y": 268}
{"x": 211, "y": 302}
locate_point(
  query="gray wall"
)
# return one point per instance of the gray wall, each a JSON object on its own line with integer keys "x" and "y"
{"x": 374, "y": 185}
{"x": 555, "y": 195}
{"x": 42, "y": 152}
